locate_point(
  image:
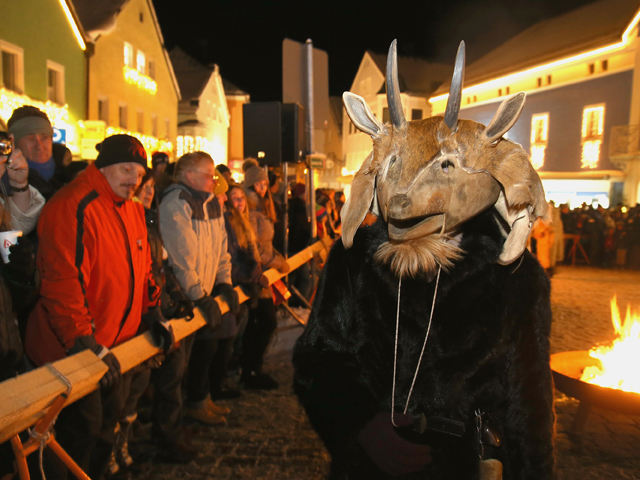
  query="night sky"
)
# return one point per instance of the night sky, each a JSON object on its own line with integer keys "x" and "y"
{"x": 245, "y": 37}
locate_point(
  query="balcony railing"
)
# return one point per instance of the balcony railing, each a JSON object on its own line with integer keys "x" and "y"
{"x": 625, "y": 142}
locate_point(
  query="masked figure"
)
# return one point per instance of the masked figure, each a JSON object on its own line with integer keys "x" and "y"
{"x": 436, "y": 312}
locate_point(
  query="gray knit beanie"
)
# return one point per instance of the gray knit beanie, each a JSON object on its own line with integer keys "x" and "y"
{"x": 253, "y": 173}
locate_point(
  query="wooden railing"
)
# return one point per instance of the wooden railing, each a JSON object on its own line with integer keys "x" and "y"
{"x": 26, "y": 398}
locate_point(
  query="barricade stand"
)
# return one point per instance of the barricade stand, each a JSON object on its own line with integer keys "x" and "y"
{"x": 41, "y": 436}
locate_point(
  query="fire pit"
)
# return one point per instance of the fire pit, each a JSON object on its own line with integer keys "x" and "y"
{"x": 567, "y": 368}
{"x": 605, "y": 377}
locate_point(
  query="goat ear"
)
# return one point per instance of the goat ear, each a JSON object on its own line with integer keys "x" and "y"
{"x": 506, "y": 116}
{"x": 520, "y": 223}
{"x": 359, "y": 202}
{"x": 361, "y": 115}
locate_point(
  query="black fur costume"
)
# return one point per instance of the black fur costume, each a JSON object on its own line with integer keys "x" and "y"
{"x": 488, "y": 349}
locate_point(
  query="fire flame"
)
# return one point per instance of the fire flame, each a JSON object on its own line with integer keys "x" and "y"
{"x": 619, "y": 362}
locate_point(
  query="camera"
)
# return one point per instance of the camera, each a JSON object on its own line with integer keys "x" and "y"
{"x": 6, "y": 145}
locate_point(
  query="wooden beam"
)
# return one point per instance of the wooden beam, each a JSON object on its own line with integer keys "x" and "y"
{"x": 24, "y": 399}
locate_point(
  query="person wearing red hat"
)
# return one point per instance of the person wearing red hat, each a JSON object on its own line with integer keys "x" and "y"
{"x": 96, "y": 287}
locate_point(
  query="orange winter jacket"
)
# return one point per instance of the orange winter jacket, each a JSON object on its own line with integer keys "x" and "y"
{"x": 95, "y": 265}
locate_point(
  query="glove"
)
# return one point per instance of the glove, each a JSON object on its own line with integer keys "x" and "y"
{"x": 284, "y": 268}
{"x": 391, "y": 453}
{"x": 184, "y": 306}
{"x": 114, "y": 374}
{"x": 264, "y": 281}
{"x": 252, "y": 290}
{"x": 22, "y": 261}
{"x": 229, "y": 294}
{"x": 161, "y": 330}
{"x": 210, "y": 310}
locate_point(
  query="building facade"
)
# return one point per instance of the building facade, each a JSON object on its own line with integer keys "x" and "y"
{"x": 44, "y": 64}
{"x": 578, "y": 71}
{"x": 418, "y": 79}
{"x": 131, "y": 84}
{"x": 203, "y": 118}
{"x": 236, "y": 98}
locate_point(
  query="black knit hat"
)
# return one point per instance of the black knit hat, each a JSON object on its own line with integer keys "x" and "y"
{"x": 120, "y": 149}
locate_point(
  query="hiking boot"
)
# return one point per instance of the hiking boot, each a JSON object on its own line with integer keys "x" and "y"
{"x": 113, "y": 464}
{"x": 217, "y": 409}
{"x": 121, "y": 446}
{"x": 206, "y": 416}
{"x": 258, "y": 381}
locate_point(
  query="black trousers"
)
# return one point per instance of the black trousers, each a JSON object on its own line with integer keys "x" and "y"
{"x": 167, "y": 397}
{"x": 85, "y": 430}
{"x": 257, "y": 335}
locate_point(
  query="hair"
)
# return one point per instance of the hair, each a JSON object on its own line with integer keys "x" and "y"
{"x": 240, "y": 220}
{"x": 188, "y": 162}
{"x": 24, "y": 112}
{"x": 265, "y": 204}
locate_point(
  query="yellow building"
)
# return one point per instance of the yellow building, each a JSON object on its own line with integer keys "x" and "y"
{"x": 418, "y": 79}
{"x": 131, "y": 84}
{"x": 236, "y": 98}
{"x": 203, "y": 118}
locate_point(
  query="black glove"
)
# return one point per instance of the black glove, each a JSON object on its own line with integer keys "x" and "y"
{"x": 252, "y": 290}
{"x": 113, "y": 375}
{"x": 229, "y": 294}
{"x": 391, "y": 453}
{"x": 210, "y": 310}
{"x": 22, "y": 261}
{"x": 184, "y": 306}
{"x": 161, "y": 330}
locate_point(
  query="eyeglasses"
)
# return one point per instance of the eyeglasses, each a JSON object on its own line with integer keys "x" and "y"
{"x": 213, "y": 177}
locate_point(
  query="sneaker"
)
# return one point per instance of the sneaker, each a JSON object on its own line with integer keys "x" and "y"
{"x": 217, "y": 409}
{"x": 206, "y": 416}
{"x": 225, "y": 394}
{"x": 177, "y": 451}
{"x": 259, "y": 381}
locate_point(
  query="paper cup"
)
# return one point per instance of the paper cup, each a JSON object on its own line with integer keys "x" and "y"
{"x": 6, "y": 240}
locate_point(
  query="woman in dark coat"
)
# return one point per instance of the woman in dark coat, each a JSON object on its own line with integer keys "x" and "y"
{"x": 262, "y": 319}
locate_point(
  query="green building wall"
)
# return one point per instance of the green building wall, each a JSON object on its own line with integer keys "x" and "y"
{"x": 41, "y": 29}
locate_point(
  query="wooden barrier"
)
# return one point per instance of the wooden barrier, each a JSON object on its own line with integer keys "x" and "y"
{"x": 25, "y": 399}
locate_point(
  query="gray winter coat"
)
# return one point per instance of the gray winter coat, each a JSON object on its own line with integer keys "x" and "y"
{"x": 193, "y": 233}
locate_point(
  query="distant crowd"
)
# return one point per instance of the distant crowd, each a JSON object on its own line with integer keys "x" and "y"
{"x": 600, "y": 237}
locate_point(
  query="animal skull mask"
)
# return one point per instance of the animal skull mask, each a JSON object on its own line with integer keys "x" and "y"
{"x": 427, "y": 177}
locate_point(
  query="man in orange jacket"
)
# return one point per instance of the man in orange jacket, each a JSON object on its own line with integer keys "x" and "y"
{"x": 97, "y": 286}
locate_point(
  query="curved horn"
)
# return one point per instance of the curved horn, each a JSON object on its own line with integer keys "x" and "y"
{"x": 455, "y": 92}
{"x": 396, "y": 113}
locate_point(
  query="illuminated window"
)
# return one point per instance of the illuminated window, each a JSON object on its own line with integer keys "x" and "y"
{"x": 141, "y": 62}
{"x": 592, "y": 132}
{"x": 103, "y": 110}
{"x": 539, "y": 133}
{"x": 12, "y": 67}
{"x": 123, "y": 116}
{"x": 140, "y": 121}
{"x": 154, "y": 125}
{"x": 55, "y": 82}
{"x": 128, "y": 54}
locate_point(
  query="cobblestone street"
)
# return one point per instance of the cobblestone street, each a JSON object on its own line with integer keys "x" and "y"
{"x": 268, "y": 437}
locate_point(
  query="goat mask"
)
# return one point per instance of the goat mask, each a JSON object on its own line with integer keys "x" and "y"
{"x": 427, "y": 177}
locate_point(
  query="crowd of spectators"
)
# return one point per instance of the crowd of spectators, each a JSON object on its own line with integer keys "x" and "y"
{"x": 590, "y": 235}
{"x": 110, "y": 249}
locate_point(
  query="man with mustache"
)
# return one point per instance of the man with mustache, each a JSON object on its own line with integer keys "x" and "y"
{"x": 97, "y": 286}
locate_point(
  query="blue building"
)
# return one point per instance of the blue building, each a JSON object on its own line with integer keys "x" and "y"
{"x": 579, "y": 73}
